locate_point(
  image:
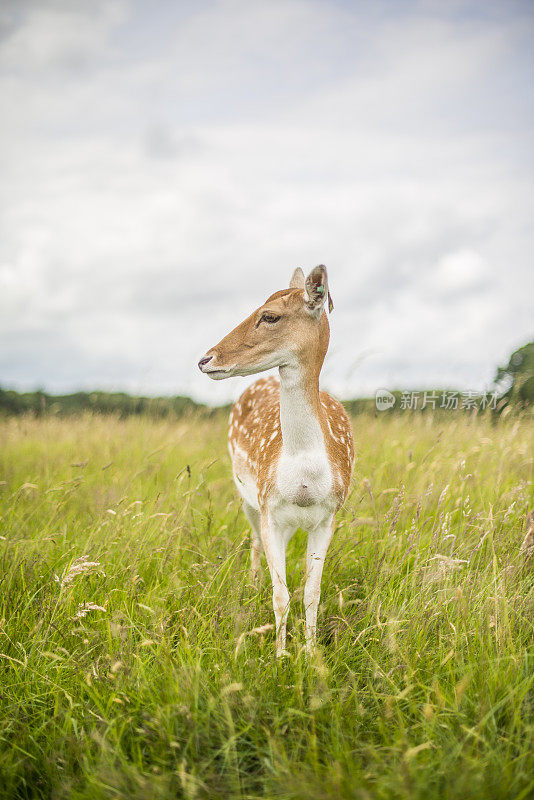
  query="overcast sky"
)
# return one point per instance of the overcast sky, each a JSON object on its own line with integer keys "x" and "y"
{"x": 166, "y": 165}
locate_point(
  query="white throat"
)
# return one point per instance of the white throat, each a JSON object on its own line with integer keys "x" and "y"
{"x": 301, "y": 430}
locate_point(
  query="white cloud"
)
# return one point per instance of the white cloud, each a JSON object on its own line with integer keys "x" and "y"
{"x": 158, "y": 187}
{"x": 58, "y": 34}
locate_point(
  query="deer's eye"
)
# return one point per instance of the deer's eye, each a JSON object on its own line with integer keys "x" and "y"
{"x": 270, "y": 318}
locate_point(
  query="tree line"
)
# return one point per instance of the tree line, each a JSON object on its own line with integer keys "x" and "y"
{"x": 122, "y": 404}
{"x": 514, "y": 386}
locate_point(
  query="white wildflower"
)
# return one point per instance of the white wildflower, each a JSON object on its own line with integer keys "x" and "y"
{"x": 78, "y": 567}
{"x": 83, "y": 608}
{"x": 443, "y": 495}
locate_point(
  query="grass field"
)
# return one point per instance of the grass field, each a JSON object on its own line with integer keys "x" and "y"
{"x": 131, "y": 661}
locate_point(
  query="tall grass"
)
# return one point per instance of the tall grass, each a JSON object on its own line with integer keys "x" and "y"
{"x": 137, "y": 661}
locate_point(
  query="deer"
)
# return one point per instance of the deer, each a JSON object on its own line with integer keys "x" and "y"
{"x": 291, "y": 445}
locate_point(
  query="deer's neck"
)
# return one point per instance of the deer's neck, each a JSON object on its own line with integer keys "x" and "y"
{"x": 300, "y": 408}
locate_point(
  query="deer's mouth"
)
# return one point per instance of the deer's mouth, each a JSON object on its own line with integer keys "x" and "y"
{"x": 218, "y": 374}
{"x": 206, "y": 366}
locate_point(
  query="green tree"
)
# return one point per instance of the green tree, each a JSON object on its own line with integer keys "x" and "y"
{"x": 519, "y": 375}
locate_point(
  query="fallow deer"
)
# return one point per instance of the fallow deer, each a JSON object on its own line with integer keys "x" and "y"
{"x": 291, "y": 444}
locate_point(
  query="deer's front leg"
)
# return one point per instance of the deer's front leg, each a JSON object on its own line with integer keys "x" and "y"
{"x": 274, "y": 543}
{"x": 318, "y": 543}
{"x": 253, "y": 517}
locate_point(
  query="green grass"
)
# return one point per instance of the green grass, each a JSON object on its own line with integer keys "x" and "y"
{"x": 423, "y": 684}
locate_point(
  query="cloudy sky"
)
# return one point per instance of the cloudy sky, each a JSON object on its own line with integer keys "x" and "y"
{"x": 164, "y": 166}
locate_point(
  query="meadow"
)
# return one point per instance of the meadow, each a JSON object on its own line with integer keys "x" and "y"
{"x": 137, "y": 660}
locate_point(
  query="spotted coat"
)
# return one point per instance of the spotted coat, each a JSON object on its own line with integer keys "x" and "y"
{"x": 255, "y": 438}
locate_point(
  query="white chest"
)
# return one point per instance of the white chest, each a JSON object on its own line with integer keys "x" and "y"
{"x": 303, "y": 496}
{"x": 304, "y": 478}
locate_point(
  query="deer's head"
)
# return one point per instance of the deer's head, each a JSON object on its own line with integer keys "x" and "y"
{"x": 291, "y": 328}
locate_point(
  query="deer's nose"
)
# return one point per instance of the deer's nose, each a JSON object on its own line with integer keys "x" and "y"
{"x": 203, "y": 361}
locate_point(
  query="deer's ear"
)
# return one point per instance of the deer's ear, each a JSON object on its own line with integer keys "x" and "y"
{"x": 316, "y": 291}
{"x": 297, "y": 280}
